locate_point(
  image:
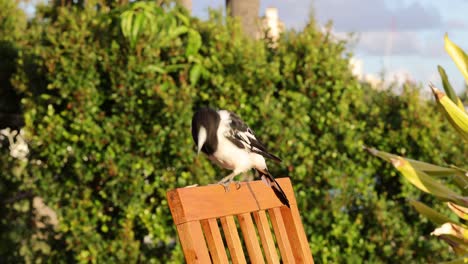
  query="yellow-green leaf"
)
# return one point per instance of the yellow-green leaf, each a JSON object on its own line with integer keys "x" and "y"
{"x": 457, "y": 117}
{"x": 425, "y": 182}
{"x": 457, "y": 55}
{"x": 430, "y": 213}
{"x": 457, "y": 244}
{"x": 459, "y": 210}
{"x": 461, "y": 260}
{"x": 431, "y": 169}
{"x": 448, "y": 88}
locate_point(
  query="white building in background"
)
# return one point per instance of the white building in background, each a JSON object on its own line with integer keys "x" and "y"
{"x": 272, "y": 24}
{"x": 356, "y": 66}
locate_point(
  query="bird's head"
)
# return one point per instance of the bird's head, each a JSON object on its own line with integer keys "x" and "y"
{"x": 204, "y": 124}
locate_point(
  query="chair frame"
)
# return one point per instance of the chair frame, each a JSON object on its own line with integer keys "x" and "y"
{"x": 195, "y": 211}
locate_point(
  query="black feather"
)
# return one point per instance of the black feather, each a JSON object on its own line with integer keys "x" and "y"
{"x": 276, "y": 187}
{"x": 243, "y": 136}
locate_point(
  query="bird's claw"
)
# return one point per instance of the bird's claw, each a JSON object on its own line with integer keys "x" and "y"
{"x": 227, "y": 184}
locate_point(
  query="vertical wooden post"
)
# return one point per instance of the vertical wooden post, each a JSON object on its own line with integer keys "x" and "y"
{"x": 247, "y": 11}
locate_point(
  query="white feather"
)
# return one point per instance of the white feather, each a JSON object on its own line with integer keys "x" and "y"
{"x": 201, "y": 138}
{"x": 230, "y": 156}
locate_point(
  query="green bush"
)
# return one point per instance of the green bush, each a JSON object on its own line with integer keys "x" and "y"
{"x": 108, "y": 117}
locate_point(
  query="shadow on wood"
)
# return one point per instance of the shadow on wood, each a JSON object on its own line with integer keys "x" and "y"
{"x": 198, "y": 213}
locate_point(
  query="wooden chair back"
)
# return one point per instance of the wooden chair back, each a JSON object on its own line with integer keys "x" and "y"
{"x": 198, "y": 211}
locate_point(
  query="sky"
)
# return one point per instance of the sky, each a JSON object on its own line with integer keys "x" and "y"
{"x": 403, "y": 38}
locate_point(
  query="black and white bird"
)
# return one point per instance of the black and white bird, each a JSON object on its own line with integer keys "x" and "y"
{"x": 230, "y": 143}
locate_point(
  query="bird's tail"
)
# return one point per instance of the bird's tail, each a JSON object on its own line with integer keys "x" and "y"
{"x": 268, "y": 179}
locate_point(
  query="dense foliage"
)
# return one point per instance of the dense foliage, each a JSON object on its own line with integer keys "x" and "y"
{"x": 107, "y": 118}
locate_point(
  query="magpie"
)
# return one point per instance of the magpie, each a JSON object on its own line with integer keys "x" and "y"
{"x": 231, "y": 144}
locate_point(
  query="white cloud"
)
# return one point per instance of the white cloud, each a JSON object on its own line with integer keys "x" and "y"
{"x": 390, "y": 43}
{"x": 377, "y": 15}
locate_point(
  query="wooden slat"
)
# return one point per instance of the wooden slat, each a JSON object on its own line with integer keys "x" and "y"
{"x": 233, "y": 240}
{"x": 197, "y": 203}
{"x": 214, "y": 241}
{"x": 193, "y": 243}
{"x": 250, "y": 238}
{"x": 281, "y": 235}
{"x": 297, "y": 238}
{"x": 266, "y": 237}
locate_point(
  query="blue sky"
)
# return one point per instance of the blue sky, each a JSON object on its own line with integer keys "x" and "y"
{"x": 404, "y": 37}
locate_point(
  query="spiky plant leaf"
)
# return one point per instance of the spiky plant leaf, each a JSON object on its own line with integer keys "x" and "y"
{"x": 430, "y": 213}
{"x": 457, "y": 231}
{"x": 457, "y": 55}
{"x": 460, "y": 176}
{"x": 448, "y": 88}
{"x": 425, "y": 182}
{"x": 459, "y": 210}
{"x": 461, "y": 260}
{"x": 458, "y": 246}
{"x": 457, "y": 117}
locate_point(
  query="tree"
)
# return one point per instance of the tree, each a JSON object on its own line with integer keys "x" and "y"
{"x": 247, "y": 11}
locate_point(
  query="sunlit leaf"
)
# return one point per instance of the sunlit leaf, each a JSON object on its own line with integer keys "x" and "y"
{"x": 425, "y": 182}
{"x": 456, "y": 116}
{"x": 453, "y": 230}
{"x": 459, "y": 210}
{"x": 457, "y": 55}
{"x": 449, "y": 89}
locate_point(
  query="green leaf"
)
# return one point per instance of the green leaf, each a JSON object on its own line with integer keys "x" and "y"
{"x": 430, "y": 213}
{"x": 448, "y": 88}
{"x": 126, "y": 23}
{"x": 183, "y": 18}
{"x": 195, "y": 73}
{"x": 194, "y": 43}
{"x": 154, "y": 69}
{"x": 462, "y": 260}
{"x": 137, "y": 25}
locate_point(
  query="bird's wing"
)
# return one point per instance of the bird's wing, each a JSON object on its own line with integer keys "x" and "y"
{"x": 243, "y": 137}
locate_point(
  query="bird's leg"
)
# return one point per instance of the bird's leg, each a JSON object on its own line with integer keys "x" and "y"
{"x": 226, "y": 181}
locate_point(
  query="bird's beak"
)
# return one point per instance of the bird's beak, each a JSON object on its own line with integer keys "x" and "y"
{"x": 201, "y": 139}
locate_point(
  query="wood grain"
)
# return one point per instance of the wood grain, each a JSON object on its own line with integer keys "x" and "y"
{"x": 281, "y": 235}
{"x": 197, "y": 203}
{"x": 214, "y": 241}
{"x": 250, "y": 238}
{"x": 264, "y": 231}
{"x": 233, "y": 240}
{"x": 193, "y": 243}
